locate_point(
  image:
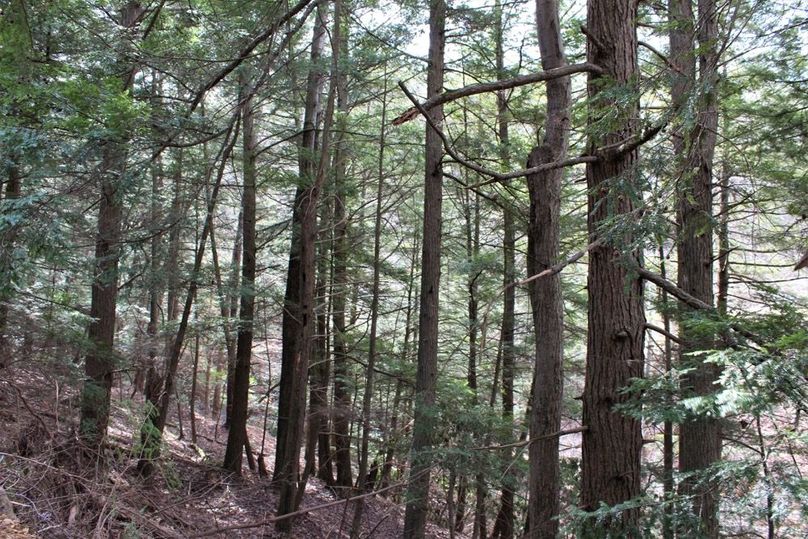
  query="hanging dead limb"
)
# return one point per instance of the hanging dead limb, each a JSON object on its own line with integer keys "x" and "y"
{"x": 496, "y": 86}
{"x": 497, "y": 176}
{"x": 245, "y": 52}
{"x": 552, "y": 270}
{"x": 522, "y": 443}
{"x": 695, "y": 303}
{"x": 664, "y": 332}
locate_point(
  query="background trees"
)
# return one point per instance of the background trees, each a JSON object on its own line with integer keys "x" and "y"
{"x": 210, "y": 216}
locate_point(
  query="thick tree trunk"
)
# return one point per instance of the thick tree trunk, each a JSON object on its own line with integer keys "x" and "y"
{"x": 299, "y": 320}
{"x": 612, "y": 445}
{"x": 237, "y": 435}
{"x": 545, "y": 293}
{"x": 293, "y": 324}
{"x": 700, "y": 437}
{"x": 427, "y": 372}
{"x": 99, "y": 362}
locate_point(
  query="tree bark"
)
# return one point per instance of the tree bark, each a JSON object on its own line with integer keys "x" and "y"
{"x": 298, "y": 317}
{"x": 426, "y": 376}
{"x": 612, "y": 443}
{"x": 237, "y": 434}
{"x": 545, "y": 294}
{"x": 293, "y": 324}
{"x": 699, "y": 437}
{"x": 100, "y": 361}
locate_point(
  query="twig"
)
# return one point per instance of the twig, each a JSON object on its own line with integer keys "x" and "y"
{"x": 529, "y": 441}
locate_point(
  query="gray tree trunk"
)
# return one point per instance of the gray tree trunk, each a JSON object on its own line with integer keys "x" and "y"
{"x": 427, "y": 372}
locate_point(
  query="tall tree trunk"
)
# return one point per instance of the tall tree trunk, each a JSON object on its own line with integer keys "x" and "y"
{"x": 293, "y": 324}
{"x": 427, "y": 372}
{"x": 367, "y": 398}
{"x": 227, "y": 310}
{"x": 233, "y": 296}
{"x": 342, "y": 410}
{"x": 545, "y": 293}
{"x": 667, "y": 433}
{"x": 299, "y": 320}
{"x": 699, "y": 437}
{"x": 319, "y": 459}
{"x": 237, "y": 435}
{"x": 194, "y": 376}
{"x": 99, "y": 362}
{"x": 612, "y": 443}
{"x": 472, "y": 215}
{"x": 504, "y": 525}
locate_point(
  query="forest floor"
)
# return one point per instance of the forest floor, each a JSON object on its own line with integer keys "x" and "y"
{"x": 57, "y": 490}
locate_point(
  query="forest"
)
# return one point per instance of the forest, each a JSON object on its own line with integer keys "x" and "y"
{"x": 473, "y": 269}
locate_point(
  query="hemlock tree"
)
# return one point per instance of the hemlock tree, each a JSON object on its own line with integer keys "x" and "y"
{"x": 700, "y": 437}
{"x": 612, "y": 443}
{"x": 545, "y": 292}
{"x": 110, "y": 175}
{"x": 427, "y": 373}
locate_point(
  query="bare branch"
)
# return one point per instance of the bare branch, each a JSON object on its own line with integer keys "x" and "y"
{"x": 497, "y": 176}
{"x": 664, "y": 332}
{"x": 498, "y": 85}
{"x": 247, "y": 50}
{"x": 522, "y": 443}
{"x": 696, "y": 303}
{"x": 552, "y": 270}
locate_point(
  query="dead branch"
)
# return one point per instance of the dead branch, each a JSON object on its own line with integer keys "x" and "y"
{"x": 529, "y": 441}
{"x": 496, "y": 86}
{"x": 497, "y": 176}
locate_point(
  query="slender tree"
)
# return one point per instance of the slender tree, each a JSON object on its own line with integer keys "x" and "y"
{"x": 545, "y": 293}
{"x": 292, "y": 484}
{"x": 700, "y": 437}
{"x": 427, "y": 372}
{"x": 293, "y": 323}
{"x": 237, "y": 435}
{"x": 504, "y": 525}
{"x": 341, "y": 411}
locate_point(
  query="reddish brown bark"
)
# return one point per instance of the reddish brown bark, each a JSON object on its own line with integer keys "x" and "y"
{"x": 612, "y": 443}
